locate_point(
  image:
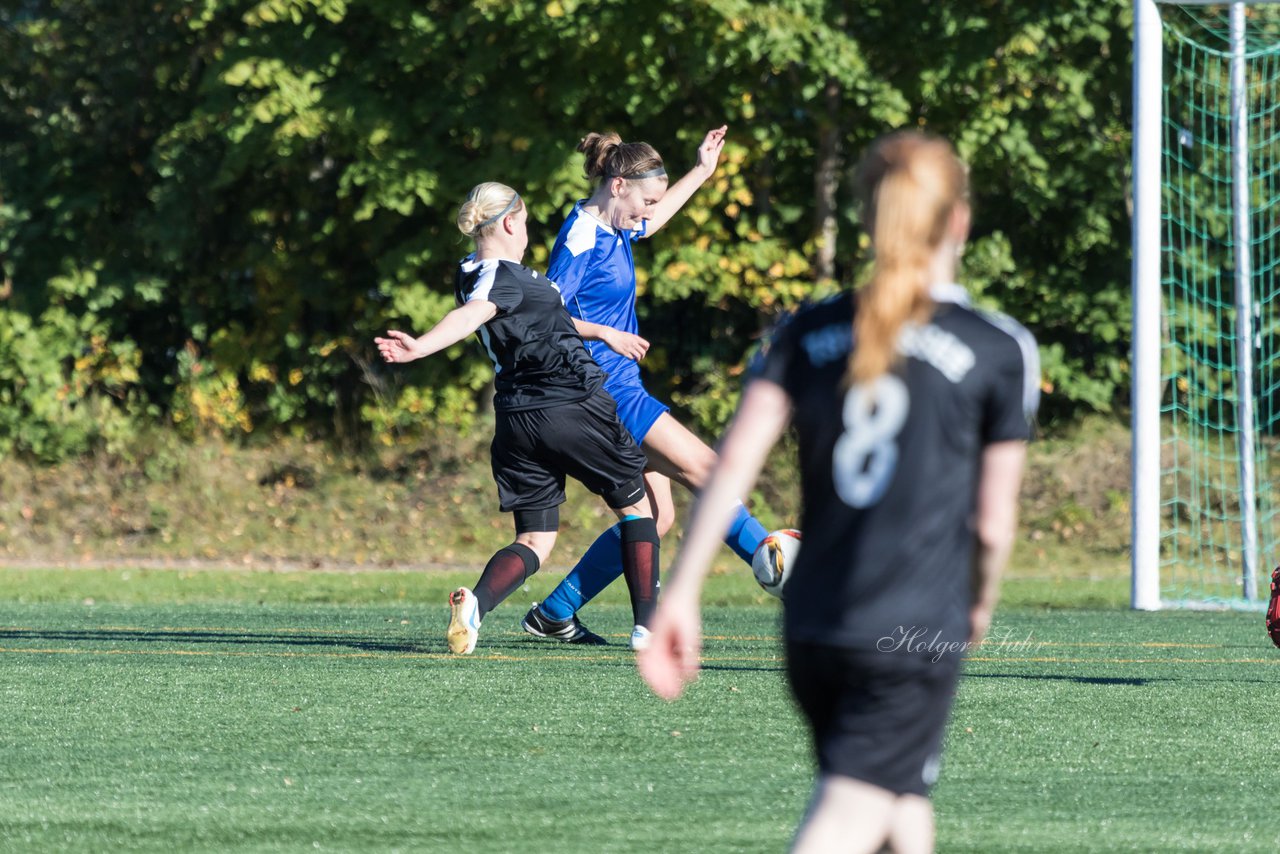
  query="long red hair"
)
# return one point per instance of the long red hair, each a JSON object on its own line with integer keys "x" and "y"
{"x": 909, "y": 183}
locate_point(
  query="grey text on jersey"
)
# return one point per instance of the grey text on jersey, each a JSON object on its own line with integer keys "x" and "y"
{"x": 947, "y": 353}
{"x": 944, "y": 351}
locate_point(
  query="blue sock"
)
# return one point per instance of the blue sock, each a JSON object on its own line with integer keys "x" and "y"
{"x": 601, "y": 564}
{"x": 745, "y": 534}
{"x": 596, "y": 570}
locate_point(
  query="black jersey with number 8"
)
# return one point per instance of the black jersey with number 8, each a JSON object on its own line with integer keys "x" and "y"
{"x": 889, "y": 469}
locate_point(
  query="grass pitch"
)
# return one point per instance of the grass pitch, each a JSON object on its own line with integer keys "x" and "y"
{"x": 285, "y": 712}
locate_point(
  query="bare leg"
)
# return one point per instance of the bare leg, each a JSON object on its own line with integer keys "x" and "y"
{"x": 846, "y": 816}
{"x": 686, "y": 459}
{"x": 676, "y": 452}
{"x": 664, "y": 509}
{"x": 911, "y": 830}
{"x": 542, "y": 542}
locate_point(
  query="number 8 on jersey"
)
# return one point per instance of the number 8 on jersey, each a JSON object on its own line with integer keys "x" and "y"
{"x": 866, "y": 454}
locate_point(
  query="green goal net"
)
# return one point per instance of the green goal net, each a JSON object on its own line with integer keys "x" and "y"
{"x": 1220, "y": 318}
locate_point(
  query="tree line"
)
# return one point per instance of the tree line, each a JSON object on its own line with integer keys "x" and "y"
{"x": 207, "y": 208}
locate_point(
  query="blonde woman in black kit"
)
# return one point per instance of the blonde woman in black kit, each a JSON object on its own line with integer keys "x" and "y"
{"x": 552, "y": 416}
{"x": 912, "y": 410}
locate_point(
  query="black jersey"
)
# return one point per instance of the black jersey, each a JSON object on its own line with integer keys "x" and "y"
{"x": 889, "y": 472}
{"x": 539, "y": 359}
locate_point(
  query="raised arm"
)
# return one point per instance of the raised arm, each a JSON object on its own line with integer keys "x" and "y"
{"x": 452, "y": 328}
{"x": 671, "y": 660}
{"x": 681, "y": 191}
{"x": 995, "y": 523}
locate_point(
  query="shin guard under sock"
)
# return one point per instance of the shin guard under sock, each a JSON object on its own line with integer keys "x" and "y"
{"x": 503, "y": 575}
{"x": 640, "y": 566}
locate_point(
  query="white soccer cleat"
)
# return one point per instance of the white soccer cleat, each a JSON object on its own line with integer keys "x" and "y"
{"x": 640, "y": 638}
{"x": 464, "y": 621}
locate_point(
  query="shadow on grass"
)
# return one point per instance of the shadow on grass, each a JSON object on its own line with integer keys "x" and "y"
{"x": 176, "y": 640}
{"x": 1080, "y": 680}
{"x": 746, "y": 668}
{"x": 1133, "y": 682}
{"x": 168, "y": 638}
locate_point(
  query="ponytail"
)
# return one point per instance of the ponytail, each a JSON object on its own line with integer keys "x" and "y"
{"x": 607, "y": 156}
{"x": 908, "y": 183}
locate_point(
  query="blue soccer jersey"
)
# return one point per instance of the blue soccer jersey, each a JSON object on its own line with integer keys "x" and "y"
{"x": 591, "y": 263}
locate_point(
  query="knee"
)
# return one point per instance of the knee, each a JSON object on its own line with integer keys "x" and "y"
{"x": 540, "y": 542}
{"x": 664, "y": 515}
{"x": 697, "y": 468}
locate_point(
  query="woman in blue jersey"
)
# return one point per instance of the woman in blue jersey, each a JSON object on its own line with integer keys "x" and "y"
{"x": 552, "y": 416}
{"x": 912, "y": 436}
{"x": 594, "y": 268}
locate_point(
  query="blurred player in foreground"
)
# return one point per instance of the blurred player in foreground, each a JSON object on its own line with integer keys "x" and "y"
{"x": 913, "y": 411}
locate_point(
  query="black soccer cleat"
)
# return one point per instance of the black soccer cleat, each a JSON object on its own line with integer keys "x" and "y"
{"x": 566, "y": 631}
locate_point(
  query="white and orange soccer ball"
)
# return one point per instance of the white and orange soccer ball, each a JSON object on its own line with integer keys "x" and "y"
{"x": 771, "y": 564}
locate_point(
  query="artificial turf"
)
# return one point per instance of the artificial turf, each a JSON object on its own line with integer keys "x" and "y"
{"x": 144, "y": 718}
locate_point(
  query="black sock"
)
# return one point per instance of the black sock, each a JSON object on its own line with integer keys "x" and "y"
{"x": 640, "y": 566}
{"x": 503, "y": 575}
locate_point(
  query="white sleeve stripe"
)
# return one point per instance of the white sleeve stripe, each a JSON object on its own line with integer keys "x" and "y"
{"x": 488, "y": 348}
{"x": 581, "y": 236}
{"x": 1030, "y": 358}
{"x": 484, "y": 284}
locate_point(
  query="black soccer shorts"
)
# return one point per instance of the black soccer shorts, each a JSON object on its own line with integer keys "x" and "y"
{"x": 875, "y": 717}
{"x": 535, "y": 449}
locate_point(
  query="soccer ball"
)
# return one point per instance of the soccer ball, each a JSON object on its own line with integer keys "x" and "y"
{"x": 774, "y": 557}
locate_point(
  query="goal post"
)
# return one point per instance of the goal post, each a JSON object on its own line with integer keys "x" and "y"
{"x": 1145, "y": 358}
{"x": 1206, "y": 325}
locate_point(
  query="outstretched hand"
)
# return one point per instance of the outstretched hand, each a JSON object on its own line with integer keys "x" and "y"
{"x": 679, "y": 192}
{"x": 398, "y": 347}
{"x": 712, "y": 145}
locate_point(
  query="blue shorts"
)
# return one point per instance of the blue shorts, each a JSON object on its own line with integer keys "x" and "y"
{"x": 637, "y": 409}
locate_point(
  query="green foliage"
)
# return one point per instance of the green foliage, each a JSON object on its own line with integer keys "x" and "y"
{"x": 61, "y": 382}
{"x": 236, "y": 196}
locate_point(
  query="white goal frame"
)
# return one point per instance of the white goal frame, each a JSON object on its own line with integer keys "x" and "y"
{"x": 1148, "y": 80}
